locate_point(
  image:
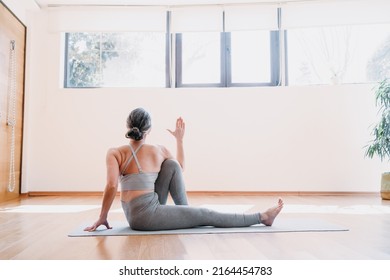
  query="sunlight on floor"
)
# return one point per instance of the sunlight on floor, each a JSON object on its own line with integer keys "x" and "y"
{"x": 329, "y": 209}
{"x": 48, "y": 208}
{"x": 361, "y": 209}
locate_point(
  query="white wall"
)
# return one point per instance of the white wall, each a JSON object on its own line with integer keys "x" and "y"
{"x": 238, "y": 139}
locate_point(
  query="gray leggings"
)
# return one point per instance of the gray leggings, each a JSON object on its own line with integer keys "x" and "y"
{"x": 149, "y": 212}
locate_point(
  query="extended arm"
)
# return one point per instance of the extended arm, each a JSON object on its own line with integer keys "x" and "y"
{"x": 179, "y": 135}
{"x": 109, "y": 192}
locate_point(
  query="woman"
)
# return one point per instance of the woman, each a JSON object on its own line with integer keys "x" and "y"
{"x": 148, "y": 173}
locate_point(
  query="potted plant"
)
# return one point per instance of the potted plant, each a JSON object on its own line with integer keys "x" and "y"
{"x": 380, "y": 145}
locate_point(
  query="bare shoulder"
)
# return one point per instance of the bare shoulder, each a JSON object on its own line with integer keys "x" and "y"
{"x": 112, "y": 151}
{"x": 158, "y": 147}
{"x": 115, "y": 152}
{"x": 164, "y": 151}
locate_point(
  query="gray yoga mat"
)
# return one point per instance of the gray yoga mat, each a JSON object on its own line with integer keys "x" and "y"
{"x": 121, "y": 228}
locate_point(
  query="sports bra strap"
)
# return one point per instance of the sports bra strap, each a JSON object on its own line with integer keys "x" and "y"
{"x": 134, "y": 155}
{"x": 136, "y": 158}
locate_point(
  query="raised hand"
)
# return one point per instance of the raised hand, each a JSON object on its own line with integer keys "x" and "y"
{"x": 179, "y": 130}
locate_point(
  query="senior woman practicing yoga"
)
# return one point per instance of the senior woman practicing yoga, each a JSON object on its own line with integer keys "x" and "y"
{"x": 148, "y": 173}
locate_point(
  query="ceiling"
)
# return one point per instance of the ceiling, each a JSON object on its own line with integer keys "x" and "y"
{"x": 52, "y": 3}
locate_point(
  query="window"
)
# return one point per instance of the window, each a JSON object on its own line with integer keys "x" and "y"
{"x": 132, "y": 59}
{"x": 339, "y": 54}
{"x": 239, "y": 58}
{"x": 198, "y": 58}
{"x": 231, "y": 46}
{"x": 254, "y": 58}
{"x": 250, "y": 57}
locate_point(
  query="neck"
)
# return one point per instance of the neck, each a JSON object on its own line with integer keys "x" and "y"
{"x": 136, "y": 143}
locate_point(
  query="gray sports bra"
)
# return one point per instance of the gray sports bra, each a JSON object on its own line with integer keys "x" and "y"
{"x": 137, "y": 181}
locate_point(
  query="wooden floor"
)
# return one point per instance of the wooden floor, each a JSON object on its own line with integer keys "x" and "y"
{"x": 43, "y": 236}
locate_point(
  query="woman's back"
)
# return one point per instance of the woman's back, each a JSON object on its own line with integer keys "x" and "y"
{"x": 150, "y": 158}
{"x": 139, "y": 166}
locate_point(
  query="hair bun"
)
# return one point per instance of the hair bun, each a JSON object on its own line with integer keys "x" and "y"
{"x": 135, "y": 133}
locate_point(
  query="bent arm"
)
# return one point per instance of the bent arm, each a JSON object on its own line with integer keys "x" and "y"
{"x": 109, "y": 191}
{"x": 112, "y": 183}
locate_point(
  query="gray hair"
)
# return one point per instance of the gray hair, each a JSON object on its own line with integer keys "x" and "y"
{"x": 138, "y": 123}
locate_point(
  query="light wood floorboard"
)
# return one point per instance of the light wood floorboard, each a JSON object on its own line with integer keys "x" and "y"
{"x": 43, "y": 236}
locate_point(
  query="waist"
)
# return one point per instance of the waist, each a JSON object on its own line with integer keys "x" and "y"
{"x": 127, "y": 196}
{"x": 138, "y": 181}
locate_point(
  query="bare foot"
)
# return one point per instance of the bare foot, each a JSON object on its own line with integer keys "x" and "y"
{"x": 268, "y": 217}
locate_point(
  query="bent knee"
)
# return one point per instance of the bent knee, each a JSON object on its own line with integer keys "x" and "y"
{"x": 170, "y": 164}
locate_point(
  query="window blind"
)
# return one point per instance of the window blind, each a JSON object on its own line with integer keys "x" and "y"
{"x": 298, "y": 15}
{"x": 251, "y": 17}
{"x": 108, "y": 19}
{"x": 197, "y": 19}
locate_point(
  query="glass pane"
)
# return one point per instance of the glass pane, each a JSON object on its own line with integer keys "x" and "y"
{"x": 134, "y": 60}
{"x": 371, "y": 60}
{"x": 81, "y": 42}
{"x": 250, "y": 56}
{"x": 201, "y": 58}
{"x": 117, "y": 41}
{"x": 83, "y": 63}
{"x": 343, "y": 54}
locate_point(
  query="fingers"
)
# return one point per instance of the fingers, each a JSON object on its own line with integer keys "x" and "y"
{"x": 96, "y": 225}
{"x": 180, "y": 123}
{"x": 183, "y": 126}
{"x": 107, "y": 225}
{"x": 180, "y": 127}
{"x": 91, "y": 228}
